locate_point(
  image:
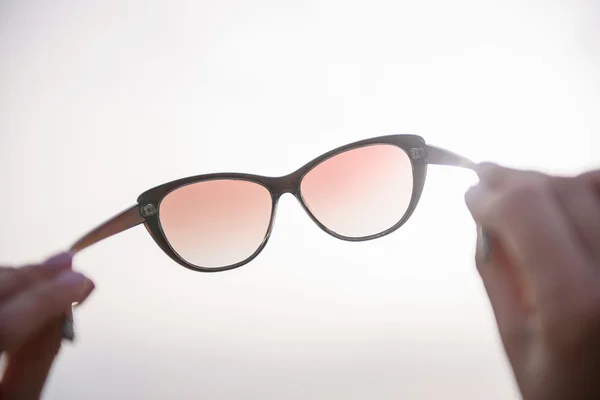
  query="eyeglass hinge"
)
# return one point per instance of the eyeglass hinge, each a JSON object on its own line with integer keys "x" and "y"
{"x": 148, "y": 210}
{"x": 417, "y": 153}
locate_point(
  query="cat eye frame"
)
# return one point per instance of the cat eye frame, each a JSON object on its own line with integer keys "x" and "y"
{"x": 221, "y": 221}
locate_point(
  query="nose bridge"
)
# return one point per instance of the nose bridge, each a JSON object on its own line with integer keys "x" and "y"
{"x": 285, "y": 184}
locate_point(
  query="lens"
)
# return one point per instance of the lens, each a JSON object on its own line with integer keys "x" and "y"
{"x": 360, "y": 192}
{"x": 216, "y": 223}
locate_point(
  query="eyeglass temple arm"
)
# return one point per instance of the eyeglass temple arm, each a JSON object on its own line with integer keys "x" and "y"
{"x": 438, "y": 156}
{"x": 117, "y": 224}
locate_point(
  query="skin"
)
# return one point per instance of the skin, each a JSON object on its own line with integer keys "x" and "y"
{"x": 33, "y": 302}
{"x": 542, "y": 276}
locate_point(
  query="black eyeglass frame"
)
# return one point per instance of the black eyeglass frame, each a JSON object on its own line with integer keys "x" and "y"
{"x": 147, "y": 209}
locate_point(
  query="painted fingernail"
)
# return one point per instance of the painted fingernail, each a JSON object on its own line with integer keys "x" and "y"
{"x": 68, "y": 328}
{"x": 483, "y": 243}
{"x": 59, "y": 261}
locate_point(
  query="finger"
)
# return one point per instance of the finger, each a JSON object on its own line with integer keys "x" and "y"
{"x": 28, "y": 311}
{"x": 15, "y": 280}
{"x": 593, "y": 179}
{"x": 502, "y": 280}
{"x": 578, "y": 199}
{"x": 27, "y": 369}
{"x": 495, "y": 175}
{"x": 508, "y": 294}
{"x": 593, "y": 176}
{"x": 527, "y": 219}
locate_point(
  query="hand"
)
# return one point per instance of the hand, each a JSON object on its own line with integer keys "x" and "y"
{"x": 542, "y": 275}
{"x": 33, "y": 302}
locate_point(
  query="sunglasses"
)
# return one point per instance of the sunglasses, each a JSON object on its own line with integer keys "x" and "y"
{"x": 216, "y": 222}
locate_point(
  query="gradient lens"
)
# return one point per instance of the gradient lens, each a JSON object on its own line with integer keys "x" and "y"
{"x": 360, "y": 192}
{"x": 216, "y": 223}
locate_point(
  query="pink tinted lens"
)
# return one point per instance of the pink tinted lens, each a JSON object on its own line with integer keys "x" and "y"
{"x": 216, "y": 223}
{"x": 360, "y": 192}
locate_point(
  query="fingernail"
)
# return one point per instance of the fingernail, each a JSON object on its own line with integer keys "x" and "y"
{"x": 483, "y": 243}
{"x": 68, "y": 328}
{"x": 59, "y": 261}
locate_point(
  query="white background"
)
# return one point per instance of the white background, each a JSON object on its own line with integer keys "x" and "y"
{"x": 102, "y": 100}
